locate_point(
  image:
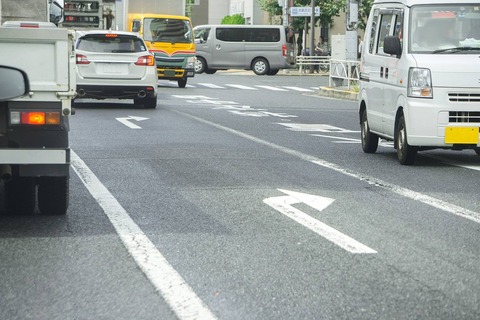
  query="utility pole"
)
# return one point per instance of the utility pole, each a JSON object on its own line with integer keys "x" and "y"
{"x": 351, "y": 43}
{"x": 312, "y": 34}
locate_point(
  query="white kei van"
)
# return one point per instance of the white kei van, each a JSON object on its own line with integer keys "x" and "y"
{"x": 265, "y": 49}
{"x": 420, "y": 76}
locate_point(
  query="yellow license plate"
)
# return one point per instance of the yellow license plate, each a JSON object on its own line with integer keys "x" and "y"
{"x": 461, "y": 135}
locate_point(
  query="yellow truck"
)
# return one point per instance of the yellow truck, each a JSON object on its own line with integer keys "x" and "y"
{"x": 170, "y": 39}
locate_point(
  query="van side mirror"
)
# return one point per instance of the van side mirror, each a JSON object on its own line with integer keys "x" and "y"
{"x": 13, "y": 83}
{"x": 392, "y": 45}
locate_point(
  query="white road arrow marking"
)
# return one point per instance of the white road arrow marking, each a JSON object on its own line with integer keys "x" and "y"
{"x": 283, "y": 204}
{"x": 126, "y": 121}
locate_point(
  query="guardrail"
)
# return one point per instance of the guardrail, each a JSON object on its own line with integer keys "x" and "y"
{"x": 320, "y": 63}
{"x": 344, "y": 73}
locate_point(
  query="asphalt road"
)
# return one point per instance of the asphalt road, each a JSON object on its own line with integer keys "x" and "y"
{"x": 246, "y": 197}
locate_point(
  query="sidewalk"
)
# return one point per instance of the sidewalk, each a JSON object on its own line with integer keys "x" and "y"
{"x": 325, "y": 91}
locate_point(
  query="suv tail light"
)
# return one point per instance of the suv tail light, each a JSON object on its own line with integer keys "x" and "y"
{"x": 284, "y": 50}
{"x": 82, "y": 59}
{"x": 145, "y": 61}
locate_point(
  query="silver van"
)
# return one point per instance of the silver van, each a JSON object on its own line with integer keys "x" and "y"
{"x": 264, "y": 49}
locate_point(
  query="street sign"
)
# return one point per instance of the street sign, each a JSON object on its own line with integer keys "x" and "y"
{"x": 304, "y": 11}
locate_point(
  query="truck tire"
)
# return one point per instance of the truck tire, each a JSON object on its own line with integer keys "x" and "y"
{"x": 20, "y": 196}
{"x": 182, "y": 82}
{"x": 53, "y": 195}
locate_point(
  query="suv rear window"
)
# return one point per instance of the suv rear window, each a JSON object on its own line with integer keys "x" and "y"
{"x": 111, "y": 43}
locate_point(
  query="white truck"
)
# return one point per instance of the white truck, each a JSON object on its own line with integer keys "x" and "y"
{"x": 34, "y": 144}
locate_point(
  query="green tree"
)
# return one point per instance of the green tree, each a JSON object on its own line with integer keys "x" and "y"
{"x": 364, "y": 11}
{"x": 235, "y": 19}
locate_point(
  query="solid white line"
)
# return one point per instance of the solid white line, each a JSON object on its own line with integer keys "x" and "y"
{"x": 239, "y": 86}
{"x": 283, "y": 205}
{"x": 173, "y": 288}
{"x": 413, "y": 195}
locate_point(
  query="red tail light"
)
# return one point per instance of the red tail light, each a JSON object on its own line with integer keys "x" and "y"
{"x": 82, "y": 59}
{"x": 145, "y": 61}
{"x": 284, "y": 50}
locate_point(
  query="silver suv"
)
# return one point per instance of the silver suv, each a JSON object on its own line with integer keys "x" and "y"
{"x": 115, "y": 65}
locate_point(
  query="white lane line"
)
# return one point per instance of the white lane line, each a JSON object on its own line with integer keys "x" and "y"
{"x": 413, "y": 195}
{"x": 173, "y": 288}
{"x": 239, "y": 86}
{"x": 298, "y": 89}
{"x": 211, "y": 85}
{"x": 283, "y": 204}
{"x": 271, "y": 88}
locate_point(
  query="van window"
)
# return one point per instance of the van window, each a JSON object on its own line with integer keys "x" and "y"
{"x": 201, "y": 34}
{"x": 263, "y": 35}
{"x": 231, "y": 34}
{"x": 445, "y": 28}
{"x": 373, "y": 31}
{"x": 391, "y": 24}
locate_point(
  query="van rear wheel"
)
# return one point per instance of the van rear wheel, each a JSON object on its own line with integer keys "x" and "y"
{"x": 406, "y": 154}
{"x": 260, "y": 66}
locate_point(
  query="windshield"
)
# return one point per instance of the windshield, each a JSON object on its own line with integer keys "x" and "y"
{"x": 451, "y": 28}
{"x": 167, "y": 30}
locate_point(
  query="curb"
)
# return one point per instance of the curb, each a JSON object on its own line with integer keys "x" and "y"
{"x": 338, "y": 93}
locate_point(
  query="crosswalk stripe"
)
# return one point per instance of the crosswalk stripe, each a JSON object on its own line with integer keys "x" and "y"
{"x": 272, "y": 88}
{"x": 299, "y": 89}
{"x": 239, "y": 86}
{"x": 211, "y": 85}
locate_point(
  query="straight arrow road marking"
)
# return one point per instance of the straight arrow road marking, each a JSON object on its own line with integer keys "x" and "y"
{"x": 283, "y": 204}
{"x": 126, "y": 121}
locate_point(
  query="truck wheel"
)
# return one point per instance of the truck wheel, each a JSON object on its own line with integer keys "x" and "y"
{"x": 20, "y": 195}
{"x": 53, "y": 195}
{"x": 477, "y": 151}
{"x": 182, "y": 82}
{"x": 369, "y": 140}
{"x": 260, "y": 66}
{"x": 406, "y": 154}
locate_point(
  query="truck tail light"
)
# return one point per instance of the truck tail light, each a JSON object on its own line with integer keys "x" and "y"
{"x": 35, "y": 118}
{"x": 284, "y": 50}
{"x": 82, "y": 59}
{"x": 145, "y": 61}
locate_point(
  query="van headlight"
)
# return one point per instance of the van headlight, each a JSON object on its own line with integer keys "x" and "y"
{"x": 190, "y": 63}
{"x": 420, "y": 83}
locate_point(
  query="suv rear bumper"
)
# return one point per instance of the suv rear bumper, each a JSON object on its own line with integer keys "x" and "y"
{"x": 117, "y": 92}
